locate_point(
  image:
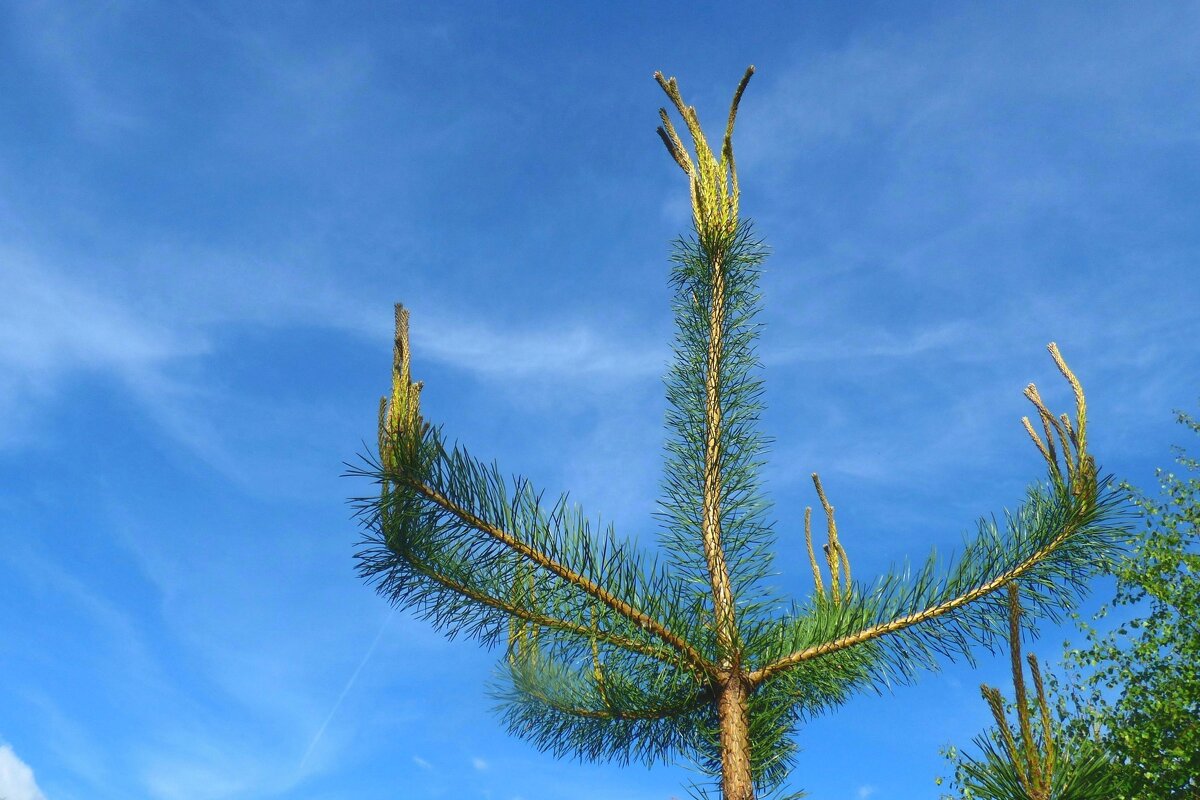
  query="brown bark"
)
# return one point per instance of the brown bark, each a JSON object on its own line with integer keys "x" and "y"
{"x": 737, "y": 782}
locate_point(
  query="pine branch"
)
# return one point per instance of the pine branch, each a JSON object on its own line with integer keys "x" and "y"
{"x": 542, "y": 559}
{"x": 710, "y": 527}
{"x": 646, "y": 715}
{"x": 456, "y": 547}
{"x": 534, "y": 688}
{"x": 700, "y": 442}
{"x": 950, "y": 607}
{"x": 1053, "y": 523}
{"x": 446, "y": 528}
{"x": 373, "y": 564}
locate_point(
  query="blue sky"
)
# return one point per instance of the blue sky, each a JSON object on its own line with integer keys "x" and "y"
{"x": 208, "y": 209}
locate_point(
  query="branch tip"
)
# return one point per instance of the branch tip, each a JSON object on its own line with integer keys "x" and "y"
{"x": 818, "y": 582}
{"x": 713, "y": 182}
{"x": 835, "y": 554}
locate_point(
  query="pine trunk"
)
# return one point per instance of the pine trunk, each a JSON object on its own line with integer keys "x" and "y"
{"x": 737, "y": 782}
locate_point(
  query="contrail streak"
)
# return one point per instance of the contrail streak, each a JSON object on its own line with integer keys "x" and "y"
{"x": 345, "y": 691}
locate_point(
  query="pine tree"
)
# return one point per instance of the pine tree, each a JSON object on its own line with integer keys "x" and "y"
{"x": 633, "y": 654}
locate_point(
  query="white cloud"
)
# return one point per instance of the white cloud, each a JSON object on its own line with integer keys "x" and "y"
{"x": 577, "y": 352}
{"x": 16, "y": 777}
{"x": 422, "y": 763}
{"x": 55, "y": 324}
{"x": 53, "y": 321}
{"x": 65, "y": 315}
{"x": 479, "y": 763}
{"x": 865, "y": 791}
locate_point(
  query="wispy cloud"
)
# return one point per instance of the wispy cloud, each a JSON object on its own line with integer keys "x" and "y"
{"x": 576, "y": 352}
{"x": 55, "y": 321}
{"x": 56, "y": 325}
{"x": 16, "y": 777}
{"x": 973, "y": 183}
{"x": 904, "y": 88}
{"x": 422, "y": 763}
{"x": 865, "y": 791}
{"x": 62, "y": 324}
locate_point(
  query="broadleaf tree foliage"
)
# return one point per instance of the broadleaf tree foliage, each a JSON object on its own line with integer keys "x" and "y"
{"x": 1137, "y": 688}
{"x": 618, "y": 652}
